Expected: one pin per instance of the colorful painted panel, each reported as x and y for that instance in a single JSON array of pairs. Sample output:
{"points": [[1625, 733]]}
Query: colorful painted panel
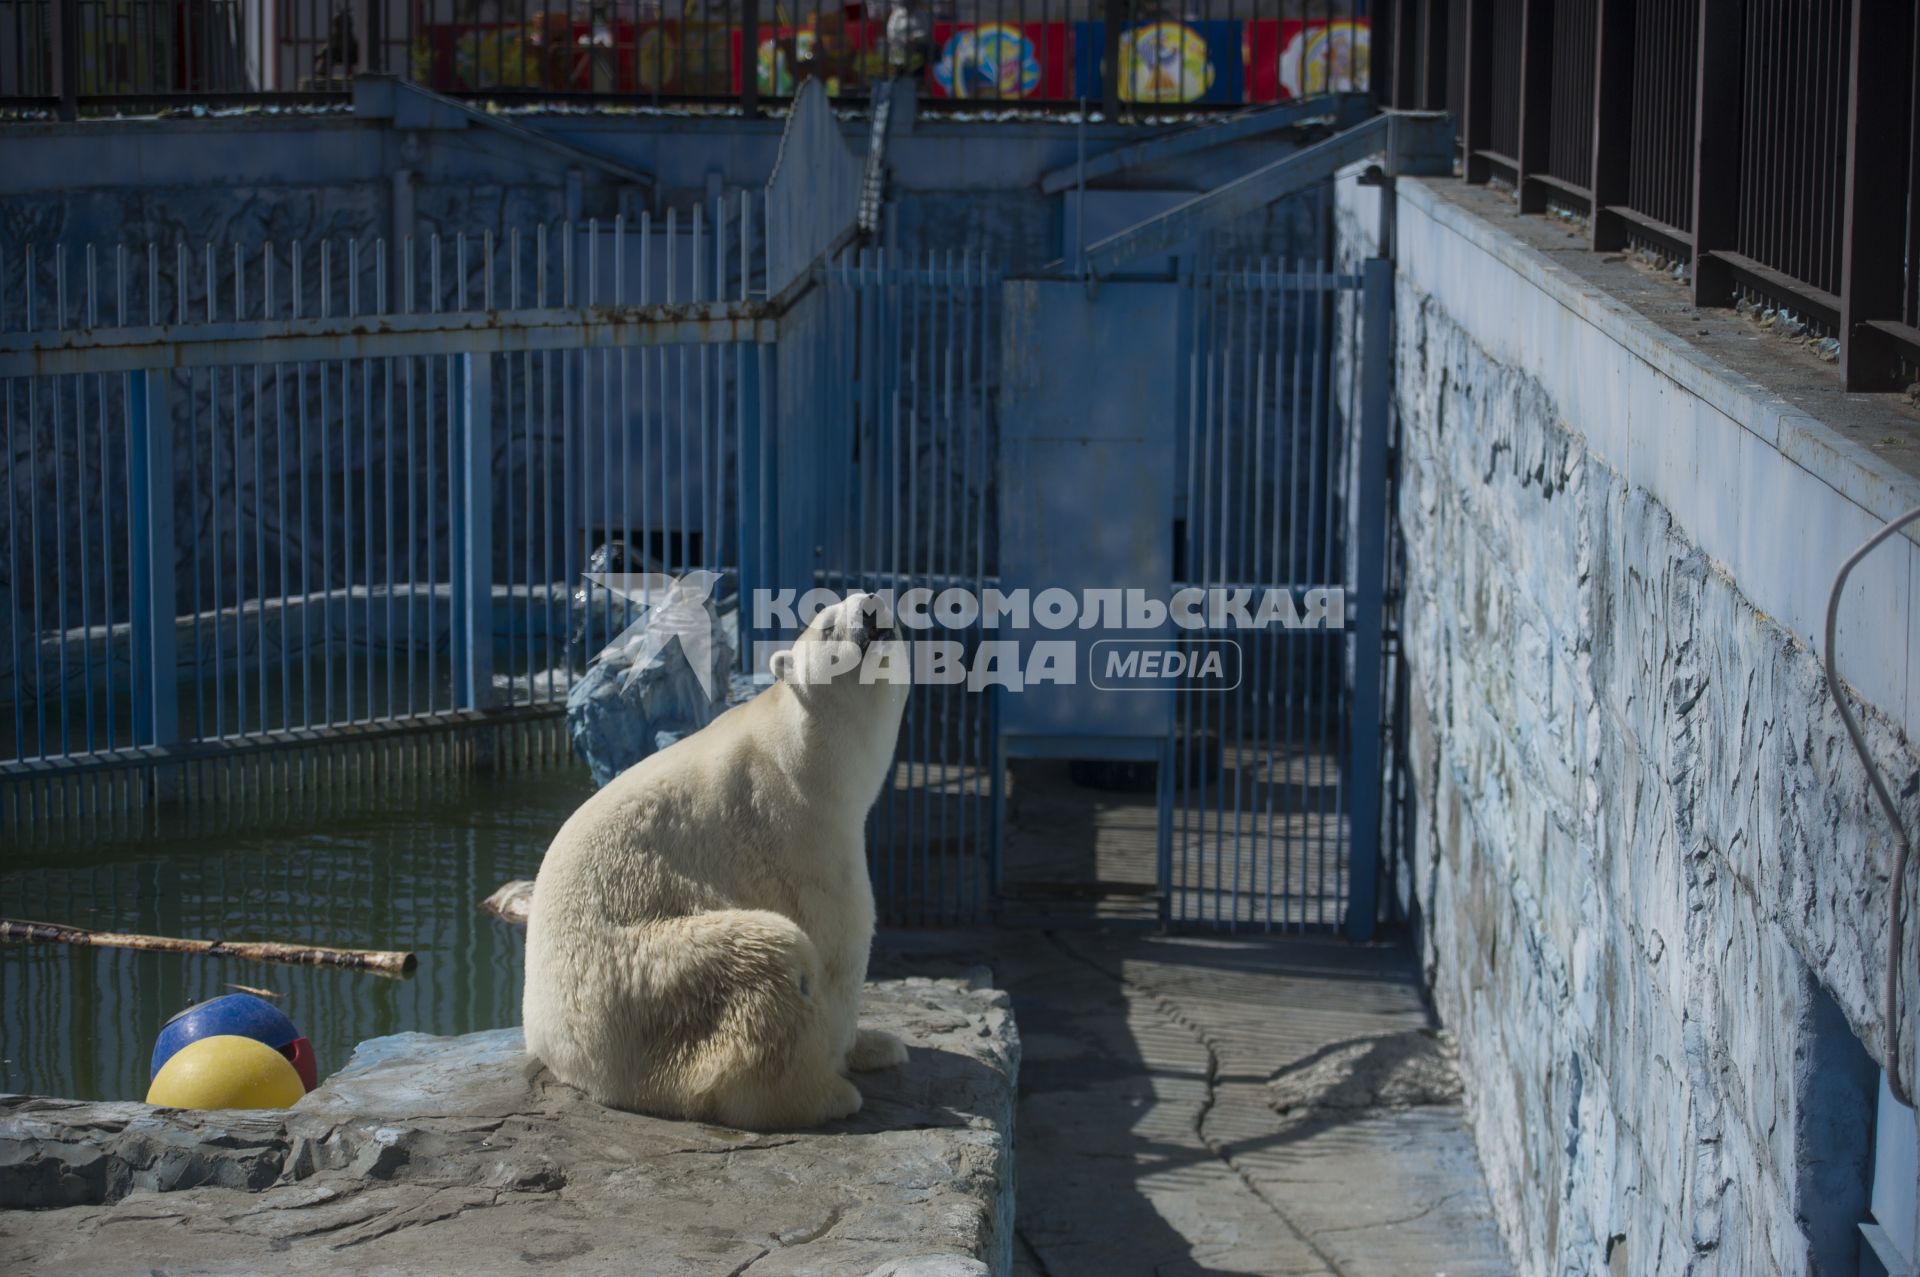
{"points": [[1163, 62], [1299, 59], [1000, 61], [846, 56]]}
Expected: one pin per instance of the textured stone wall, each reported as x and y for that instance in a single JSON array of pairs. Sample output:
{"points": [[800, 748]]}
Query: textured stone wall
{"points": [[1652, 886]]}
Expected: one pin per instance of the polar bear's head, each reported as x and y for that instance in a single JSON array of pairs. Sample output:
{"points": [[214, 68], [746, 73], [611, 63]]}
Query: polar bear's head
{"points": [[850, 644], [848, 675]]}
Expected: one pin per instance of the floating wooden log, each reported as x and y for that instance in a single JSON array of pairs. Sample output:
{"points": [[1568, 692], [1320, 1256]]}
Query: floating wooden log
{"points": [[308, 955], [511, 903]]}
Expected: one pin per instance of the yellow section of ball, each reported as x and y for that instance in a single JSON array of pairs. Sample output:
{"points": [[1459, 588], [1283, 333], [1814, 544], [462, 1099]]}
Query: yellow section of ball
{"points": [[226, 1073]]}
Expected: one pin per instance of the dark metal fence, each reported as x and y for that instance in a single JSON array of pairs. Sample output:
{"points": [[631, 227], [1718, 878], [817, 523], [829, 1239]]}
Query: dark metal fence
{"points": [[1122, 55], [1659, 184], [1767, 146]]}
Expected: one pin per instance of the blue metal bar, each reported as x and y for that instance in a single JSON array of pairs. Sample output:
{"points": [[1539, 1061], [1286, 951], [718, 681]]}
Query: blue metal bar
{"points": [[347, 337], [476, 414], [239, 562], [366, 530], [60, 546], [454, 438], [150, 511], [1337, 111], [86, 558], [1417, 144], [306, 553], [389, 574], [13, 574], [1262, 836], [1195, 298], [1370, 530]]}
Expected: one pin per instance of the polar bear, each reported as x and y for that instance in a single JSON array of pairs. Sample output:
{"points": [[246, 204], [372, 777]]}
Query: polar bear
{"points": [[700, 927]]}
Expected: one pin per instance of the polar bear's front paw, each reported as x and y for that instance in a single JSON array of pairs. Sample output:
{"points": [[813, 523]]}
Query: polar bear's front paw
{"points": [[873, 1049]]}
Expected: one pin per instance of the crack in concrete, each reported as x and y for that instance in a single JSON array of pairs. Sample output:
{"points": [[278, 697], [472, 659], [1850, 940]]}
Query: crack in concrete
{"points": [[417, 1215], [1431, 1207], [729, 1149], [736, 1272], [1171, 1012]]}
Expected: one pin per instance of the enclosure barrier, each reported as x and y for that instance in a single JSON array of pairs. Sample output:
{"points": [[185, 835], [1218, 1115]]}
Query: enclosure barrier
{"points": [[269, 499], [1765, 146], [1121, 56]]}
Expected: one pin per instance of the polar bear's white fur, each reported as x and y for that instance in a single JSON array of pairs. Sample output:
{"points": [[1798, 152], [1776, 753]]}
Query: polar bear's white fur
{"points": [[700, 927]]}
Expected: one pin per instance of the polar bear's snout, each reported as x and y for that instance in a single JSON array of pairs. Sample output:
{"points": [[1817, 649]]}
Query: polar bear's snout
{"points": [[872, 618]]}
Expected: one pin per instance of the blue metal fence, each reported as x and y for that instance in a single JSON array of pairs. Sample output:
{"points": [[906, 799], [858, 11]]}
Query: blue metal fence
{"points": [[1271, 779], [1251, 806], [262, 501], [902, 374], [260, 497]]}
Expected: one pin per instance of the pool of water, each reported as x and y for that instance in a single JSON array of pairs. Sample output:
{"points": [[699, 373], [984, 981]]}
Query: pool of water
{"points": [[405, 869]]}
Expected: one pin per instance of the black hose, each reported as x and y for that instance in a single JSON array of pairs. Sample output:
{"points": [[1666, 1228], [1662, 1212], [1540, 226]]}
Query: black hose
{"points": [[1896, 933]]}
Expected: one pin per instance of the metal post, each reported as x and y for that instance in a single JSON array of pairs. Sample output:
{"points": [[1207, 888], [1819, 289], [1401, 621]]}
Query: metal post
{"points": [[1388, 41], [156, 667], [475, 621], [752, 479], [1716, 149], [65, 38], [1536, 102], [1612, 121], [1476, 123], [1163, 825], [1367, 604], [1115, 11], [1873, 236], [376, 58], [750, 56], [1433, 54]]}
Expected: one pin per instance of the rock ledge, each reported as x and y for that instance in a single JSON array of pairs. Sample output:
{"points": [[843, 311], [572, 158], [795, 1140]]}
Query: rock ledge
{"points": [[433, 1155]]}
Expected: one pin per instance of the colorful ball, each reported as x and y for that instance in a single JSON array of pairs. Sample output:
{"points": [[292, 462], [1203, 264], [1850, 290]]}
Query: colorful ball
{"points": [[226, 1072], [239, 1014]]}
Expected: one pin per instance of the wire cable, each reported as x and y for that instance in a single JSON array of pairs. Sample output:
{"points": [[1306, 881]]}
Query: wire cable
{"points": [[1896, 932]]}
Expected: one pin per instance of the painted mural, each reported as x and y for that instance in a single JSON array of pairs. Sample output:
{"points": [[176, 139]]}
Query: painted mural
{"points": [[1161, 62]]}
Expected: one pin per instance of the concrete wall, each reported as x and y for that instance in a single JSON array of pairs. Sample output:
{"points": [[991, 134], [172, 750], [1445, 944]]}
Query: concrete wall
{"points": [[952, 185], [1650, 883]]}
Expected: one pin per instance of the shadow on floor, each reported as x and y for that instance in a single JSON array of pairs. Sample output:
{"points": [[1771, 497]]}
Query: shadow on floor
{"points": [[1200, 1105]]}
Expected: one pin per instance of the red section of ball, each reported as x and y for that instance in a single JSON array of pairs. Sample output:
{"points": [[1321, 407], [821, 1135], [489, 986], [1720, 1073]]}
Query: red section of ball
{"points": [[300, 1053]]}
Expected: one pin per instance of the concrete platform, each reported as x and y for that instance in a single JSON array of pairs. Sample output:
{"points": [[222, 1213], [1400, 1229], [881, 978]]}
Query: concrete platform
{"points": [[438, 1155], [1197, 1105]]}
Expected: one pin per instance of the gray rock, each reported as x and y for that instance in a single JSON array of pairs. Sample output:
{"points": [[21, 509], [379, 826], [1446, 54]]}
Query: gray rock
{"points": [[464, 1154], [932, 1266]]}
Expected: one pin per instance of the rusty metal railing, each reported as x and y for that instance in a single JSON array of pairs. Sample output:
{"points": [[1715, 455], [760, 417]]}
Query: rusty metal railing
{"points": [[1766, 146]]}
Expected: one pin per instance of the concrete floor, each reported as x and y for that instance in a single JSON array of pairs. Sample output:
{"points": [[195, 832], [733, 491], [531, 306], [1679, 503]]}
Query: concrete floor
{"points": [[1194, 1106]]}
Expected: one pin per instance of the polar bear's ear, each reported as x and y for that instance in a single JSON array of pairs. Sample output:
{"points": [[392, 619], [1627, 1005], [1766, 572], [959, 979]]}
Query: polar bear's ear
{"points": [[782, 664]]}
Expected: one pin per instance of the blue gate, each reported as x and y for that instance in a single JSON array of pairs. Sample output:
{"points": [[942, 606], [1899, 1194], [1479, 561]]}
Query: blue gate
{"points": [[1160, 436]]}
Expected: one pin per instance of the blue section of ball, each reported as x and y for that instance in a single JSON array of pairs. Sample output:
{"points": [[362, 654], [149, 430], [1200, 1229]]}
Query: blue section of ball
{"points": [[236, 1014]]}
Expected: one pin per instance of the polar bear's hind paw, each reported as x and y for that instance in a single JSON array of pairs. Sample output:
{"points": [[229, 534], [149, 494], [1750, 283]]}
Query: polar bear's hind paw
{"points": [[873, 1049]]}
